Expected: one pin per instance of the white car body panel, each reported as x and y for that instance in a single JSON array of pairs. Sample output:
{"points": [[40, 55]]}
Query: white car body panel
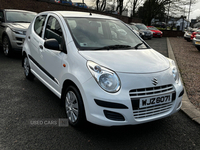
{"points": [[135, 68], [145, 61]]}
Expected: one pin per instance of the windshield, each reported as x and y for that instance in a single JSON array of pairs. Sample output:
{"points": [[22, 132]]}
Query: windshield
{"points": [[152, 28], [101, 34], [141, 26], [19, 16], [134, 27]]}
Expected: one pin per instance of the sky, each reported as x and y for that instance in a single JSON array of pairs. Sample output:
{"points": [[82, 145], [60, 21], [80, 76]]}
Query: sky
{"points": [[195, 9]]}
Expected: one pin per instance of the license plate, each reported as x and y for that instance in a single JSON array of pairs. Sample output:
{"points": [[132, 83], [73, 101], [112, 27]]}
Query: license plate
{"points": [[197, 42], [158, 34], [152, 101]]}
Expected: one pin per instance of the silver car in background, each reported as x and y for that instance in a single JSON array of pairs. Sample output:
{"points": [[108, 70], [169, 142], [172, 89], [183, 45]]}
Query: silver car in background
{"points": [[13, 26], [196, 41]]}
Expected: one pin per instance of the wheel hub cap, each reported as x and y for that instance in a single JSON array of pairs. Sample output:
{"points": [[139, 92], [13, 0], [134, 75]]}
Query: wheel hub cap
{"points": [[71, 105]]}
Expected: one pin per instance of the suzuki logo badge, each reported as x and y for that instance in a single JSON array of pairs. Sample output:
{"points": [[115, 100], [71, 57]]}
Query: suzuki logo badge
{"points": [[154, 81]]}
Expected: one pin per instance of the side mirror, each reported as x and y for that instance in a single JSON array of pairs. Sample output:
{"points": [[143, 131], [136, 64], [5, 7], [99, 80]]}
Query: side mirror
{"points": [[51, 44]]}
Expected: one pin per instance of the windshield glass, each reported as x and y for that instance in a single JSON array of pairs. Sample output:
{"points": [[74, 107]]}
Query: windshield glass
{"points": [[141, 26], [134, 27], [101, 34], [13, 16]]}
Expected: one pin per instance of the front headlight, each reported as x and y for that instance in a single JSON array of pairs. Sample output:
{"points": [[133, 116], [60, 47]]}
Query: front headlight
{"points": [[19, 32], [175, 72], [106, 78], [141, 33]]}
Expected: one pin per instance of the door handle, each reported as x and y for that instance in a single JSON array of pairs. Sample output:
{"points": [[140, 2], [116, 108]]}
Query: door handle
{"points": [[41, 47], [29, 37]]}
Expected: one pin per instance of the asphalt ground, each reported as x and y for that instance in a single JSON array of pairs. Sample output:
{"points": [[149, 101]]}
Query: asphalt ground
{"points": [[23, 102]]}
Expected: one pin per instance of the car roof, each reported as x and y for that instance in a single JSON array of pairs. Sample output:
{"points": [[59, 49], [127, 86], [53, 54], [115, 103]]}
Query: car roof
{"points": [[139, 24], [79, 14], [17, 10]]}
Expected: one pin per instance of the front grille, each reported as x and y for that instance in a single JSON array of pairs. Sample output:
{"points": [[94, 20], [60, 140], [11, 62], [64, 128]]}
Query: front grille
{"points": [[151, 91], [197, 37], [141, 113], [19, 39], [152, 111]]}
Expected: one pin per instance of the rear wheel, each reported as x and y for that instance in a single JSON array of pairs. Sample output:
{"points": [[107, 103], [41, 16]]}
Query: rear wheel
{"points": [[74, 106], [27, 69], [6, 46]]}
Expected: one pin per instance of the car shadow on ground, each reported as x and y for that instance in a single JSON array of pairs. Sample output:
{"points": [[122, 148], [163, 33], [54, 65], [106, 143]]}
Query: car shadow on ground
{"points": [[13, 56]]}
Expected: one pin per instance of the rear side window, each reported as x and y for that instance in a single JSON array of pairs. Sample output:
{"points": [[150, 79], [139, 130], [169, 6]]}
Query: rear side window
{"points": [[1, 15], [39, 25]]}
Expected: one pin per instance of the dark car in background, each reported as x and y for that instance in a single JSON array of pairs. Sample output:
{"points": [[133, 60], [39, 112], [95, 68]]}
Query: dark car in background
{"points": [[144, 31], [62, 1], [82, 5], [160, 24], [13, 26]]}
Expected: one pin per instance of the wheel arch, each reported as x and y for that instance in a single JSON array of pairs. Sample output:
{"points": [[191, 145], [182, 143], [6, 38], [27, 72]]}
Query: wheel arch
{"points": [[23, 55], [68, 83], [4, 34]]}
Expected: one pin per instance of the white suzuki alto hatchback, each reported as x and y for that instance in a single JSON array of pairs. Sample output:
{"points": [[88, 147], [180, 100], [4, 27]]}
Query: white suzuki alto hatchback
{"points": [[101, 69]]}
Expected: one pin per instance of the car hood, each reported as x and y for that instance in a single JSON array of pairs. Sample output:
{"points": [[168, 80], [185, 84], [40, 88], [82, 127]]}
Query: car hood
{"points": [[129, 61], [21, 26], [156, 31]]}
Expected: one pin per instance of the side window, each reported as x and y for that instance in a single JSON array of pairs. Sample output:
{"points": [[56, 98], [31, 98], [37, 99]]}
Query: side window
{"points": [[39, 24], [53, 30], [1, 15]]}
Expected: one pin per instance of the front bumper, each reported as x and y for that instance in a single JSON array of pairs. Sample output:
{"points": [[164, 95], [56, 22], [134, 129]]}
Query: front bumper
{"points": [[116, 109], [16, 41], [157, 35], [187, 36], [196, 42]]}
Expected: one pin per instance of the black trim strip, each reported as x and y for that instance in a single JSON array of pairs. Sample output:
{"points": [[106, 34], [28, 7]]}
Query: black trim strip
{"points": [[46, 72], [110, 104], [181, 94], [113, 115]]}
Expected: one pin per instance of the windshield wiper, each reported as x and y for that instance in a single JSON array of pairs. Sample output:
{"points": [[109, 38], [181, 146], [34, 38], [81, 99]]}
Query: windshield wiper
{"points": [[136, 47], [114, 47]]}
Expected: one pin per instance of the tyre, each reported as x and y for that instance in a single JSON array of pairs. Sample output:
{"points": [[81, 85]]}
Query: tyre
{"points": [[198, 48], [7, 49], [188, 40], [27, 69], [74, 107]]}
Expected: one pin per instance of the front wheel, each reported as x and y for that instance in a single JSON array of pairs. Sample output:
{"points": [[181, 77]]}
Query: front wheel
{"points": [[188, 40], [27, 69], [198, 48], [74, 106], [6, 46]]}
